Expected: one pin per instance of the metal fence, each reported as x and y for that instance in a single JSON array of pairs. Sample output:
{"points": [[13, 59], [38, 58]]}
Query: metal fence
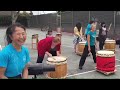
{"points": [[68, 19], [45, 21]]}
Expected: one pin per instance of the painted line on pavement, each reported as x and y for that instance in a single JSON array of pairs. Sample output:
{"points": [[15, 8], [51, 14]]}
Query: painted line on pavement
{"points": [[85, 72]]}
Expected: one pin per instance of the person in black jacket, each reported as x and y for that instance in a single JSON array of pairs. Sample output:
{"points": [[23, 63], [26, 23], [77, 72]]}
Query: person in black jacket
{"points": [[102, 35]]}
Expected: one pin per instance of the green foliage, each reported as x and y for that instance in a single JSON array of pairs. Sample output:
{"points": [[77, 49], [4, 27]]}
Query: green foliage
{"points": [[25, 14], [22, 20], [5, 20]]}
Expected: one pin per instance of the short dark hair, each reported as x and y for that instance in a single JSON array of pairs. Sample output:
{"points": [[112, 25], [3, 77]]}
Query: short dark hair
{"points": [[49, 31], [102, 23]]}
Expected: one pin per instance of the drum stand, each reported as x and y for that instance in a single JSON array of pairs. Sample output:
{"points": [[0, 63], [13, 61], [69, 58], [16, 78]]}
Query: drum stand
{"points": [[35, 77], [106, 73]]}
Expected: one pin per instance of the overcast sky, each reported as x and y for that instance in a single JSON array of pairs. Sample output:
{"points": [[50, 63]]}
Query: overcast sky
{"points": [[42, 12]]}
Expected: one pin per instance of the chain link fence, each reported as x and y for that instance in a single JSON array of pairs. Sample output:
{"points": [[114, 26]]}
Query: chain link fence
{"points": [[67, 20], [44, 22]]}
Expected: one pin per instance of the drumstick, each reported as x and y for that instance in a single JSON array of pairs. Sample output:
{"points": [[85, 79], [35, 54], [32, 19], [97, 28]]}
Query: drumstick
{"points": [[91, 55], [110, 26], [0, 47], [54, 58]]}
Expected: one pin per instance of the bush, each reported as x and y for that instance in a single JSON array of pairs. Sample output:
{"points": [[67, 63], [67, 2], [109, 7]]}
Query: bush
{"points": [[22, 20], [5, 20]]}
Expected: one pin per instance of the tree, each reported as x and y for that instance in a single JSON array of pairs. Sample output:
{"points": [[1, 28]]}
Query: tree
{"points": [[25, 14], [58, 12], [31, 13], [14, 16]]}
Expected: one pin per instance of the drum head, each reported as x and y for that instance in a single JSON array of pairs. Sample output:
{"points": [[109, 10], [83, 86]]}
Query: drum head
{"points": [[105, 53], [82, 42], [56, 59], [110, 41]]}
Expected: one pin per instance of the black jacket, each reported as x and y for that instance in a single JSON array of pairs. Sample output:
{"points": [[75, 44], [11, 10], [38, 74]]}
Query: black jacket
{"points": [[100, 32]]}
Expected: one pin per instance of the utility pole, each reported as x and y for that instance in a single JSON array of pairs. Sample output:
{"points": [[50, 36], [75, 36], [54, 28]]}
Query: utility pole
{"points": [[89, 16], [72, 18], [60, 19], [114, 20]]}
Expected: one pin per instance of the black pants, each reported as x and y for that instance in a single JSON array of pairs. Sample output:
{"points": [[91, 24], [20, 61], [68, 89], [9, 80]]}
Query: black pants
{"points": [[85, 54], [102, 41], [40, 59], [16, 77], [86, 36], [118, 42]]}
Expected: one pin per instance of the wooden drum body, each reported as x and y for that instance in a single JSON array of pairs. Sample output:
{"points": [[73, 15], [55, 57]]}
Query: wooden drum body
{"points": [[60, 63], [80, 47], [110, 45], [105, 61]]}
